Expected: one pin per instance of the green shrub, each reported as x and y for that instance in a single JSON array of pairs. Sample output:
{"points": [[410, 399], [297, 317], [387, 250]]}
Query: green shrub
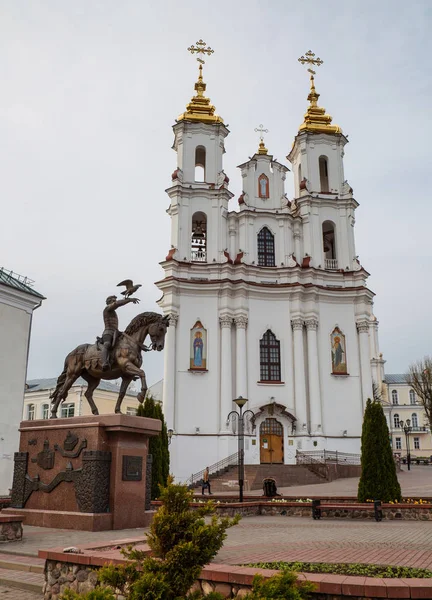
{"points": [[182, 542], [96, 594], [283, 586], [158, 446], [378, 479]]}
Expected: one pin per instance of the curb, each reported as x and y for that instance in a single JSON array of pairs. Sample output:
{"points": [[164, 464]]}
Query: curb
{"points": [[15, 566], [21, 585]]}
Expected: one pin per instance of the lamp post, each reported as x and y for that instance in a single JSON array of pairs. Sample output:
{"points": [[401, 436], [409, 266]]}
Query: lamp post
{"points": [[239, 416], [169, 434], [407, 430]]}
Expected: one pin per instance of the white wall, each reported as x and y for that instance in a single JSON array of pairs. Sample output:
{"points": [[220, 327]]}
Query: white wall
{"points": [[14, 331]]}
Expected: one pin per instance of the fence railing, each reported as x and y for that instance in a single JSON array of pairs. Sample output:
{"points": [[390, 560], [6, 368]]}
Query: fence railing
{"points": [[215, 469], [331, 264], [327, 456]]}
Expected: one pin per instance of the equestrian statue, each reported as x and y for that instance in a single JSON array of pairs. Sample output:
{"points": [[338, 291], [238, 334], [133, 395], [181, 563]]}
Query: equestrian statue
{"points": [[115, 355]]}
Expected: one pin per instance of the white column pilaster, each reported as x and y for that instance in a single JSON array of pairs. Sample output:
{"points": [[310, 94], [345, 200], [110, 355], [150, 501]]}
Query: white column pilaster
{"points": [[241, 356], [170, 373], [226, 398], [297, 248], [299, 375], [314, 385], [365, 366]]}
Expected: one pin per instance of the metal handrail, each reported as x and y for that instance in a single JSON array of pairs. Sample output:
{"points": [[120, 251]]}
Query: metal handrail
{"points": [[214, 469], [327, 456]]}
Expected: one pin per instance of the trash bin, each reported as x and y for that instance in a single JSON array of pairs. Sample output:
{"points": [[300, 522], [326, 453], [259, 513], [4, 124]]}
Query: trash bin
{"points": [[269, 487]]}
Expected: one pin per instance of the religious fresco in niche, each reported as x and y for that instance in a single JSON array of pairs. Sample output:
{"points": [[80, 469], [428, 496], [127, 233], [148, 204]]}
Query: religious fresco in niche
{"points": [[198, 347], [338, 352], [263, 186]]}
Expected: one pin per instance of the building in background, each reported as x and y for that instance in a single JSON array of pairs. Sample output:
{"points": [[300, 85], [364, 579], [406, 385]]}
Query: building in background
{"points": [[37, 402], [18, 300], [268, 302], [400, 403]]}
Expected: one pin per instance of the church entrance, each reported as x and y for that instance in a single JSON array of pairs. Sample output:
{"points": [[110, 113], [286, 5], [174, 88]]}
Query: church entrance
{"points": [[271, 442]]}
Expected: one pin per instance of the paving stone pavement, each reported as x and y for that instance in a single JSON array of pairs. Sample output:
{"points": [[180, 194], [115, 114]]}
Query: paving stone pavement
{"points": [[8, 593], [262, 539]]}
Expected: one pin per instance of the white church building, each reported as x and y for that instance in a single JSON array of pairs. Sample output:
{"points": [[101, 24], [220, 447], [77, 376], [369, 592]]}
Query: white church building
{"points": [[268, 302]]}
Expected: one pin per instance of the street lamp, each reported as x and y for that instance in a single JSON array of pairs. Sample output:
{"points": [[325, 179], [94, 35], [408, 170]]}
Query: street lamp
{"points": [[235, 416], [407, 430], [169, 434]]}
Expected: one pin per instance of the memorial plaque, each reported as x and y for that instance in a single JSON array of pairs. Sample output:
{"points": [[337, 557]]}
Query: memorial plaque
{"points": [[132, 468]]}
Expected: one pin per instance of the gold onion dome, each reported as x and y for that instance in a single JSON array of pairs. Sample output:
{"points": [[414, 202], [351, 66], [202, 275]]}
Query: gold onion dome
{"points": [[316, 120], [199, 108], [262, 149]]}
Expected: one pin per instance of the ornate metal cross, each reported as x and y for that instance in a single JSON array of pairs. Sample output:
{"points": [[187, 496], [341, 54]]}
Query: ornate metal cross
{"points": [[309, 59], [260, 129], [200, 49]]}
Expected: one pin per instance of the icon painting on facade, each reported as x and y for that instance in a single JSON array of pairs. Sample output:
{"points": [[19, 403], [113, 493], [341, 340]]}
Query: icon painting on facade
{"points": [[198, 349], [338, 350], [263, 186]]}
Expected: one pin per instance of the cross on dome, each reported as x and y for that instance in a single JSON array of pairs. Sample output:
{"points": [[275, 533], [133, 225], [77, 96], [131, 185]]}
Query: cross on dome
{"points": [[315, 120], [260, 129], [199, 108]]}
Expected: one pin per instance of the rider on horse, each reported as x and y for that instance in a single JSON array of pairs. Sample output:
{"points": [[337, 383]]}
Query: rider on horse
{"points": [[110, 334]]}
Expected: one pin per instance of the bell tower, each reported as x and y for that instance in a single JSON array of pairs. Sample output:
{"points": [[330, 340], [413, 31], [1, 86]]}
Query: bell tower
{"points": [[199, 194], [323, 196]]}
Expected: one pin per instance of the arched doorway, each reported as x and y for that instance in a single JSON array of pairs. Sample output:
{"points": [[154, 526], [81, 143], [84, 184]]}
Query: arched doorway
{"points": [[271, 442]]}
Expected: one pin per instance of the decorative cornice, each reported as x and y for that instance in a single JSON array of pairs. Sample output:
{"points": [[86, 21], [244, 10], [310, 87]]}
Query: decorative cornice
{"points": [[362, 326], [225, 321], [173, 318], [312, 324], [297, 323], [241, 322]]}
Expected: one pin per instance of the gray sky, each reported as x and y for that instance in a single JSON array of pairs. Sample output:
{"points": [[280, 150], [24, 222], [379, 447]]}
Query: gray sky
{"points": [[90, 90]]}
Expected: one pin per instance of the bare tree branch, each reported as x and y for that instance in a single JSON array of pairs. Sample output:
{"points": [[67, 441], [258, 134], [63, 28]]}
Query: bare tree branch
{"points": [[419, 377]]}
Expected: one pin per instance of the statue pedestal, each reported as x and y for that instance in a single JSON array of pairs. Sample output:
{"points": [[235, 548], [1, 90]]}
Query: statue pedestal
{"points": [[85, 473]]}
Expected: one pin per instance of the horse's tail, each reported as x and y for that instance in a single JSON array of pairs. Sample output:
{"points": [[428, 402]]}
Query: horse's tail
{"points": [[79, 351]]}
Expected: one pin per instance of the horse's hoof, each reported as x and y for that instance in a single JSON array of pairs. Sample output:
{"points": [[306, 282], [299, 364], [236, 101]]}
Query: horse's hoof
{"points": [[95, 412], [141, 397], [53, 417], [118, 412]]}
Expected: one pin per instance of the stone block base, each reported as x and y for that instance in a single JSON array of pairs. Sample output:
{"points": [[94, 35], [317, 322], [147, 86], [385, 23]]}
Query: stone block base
{"points": [[10, 528]]}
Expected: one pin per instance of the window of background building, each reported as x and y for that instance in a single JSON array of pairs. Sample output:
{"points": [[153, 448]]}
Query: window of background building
{"points": [[45, 411], [416, 443], [30, 412], [398, 443], [130, 410], [412, 397], [395, 398], [68, 410], [414, 420], [396, 421]]}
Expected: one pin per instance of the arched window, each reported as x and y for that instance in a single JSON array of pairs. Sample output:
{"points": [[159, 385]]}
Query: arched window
{"points": [[412, 397], [329, 245], [200, 164], [45, 411], [323, 171], [263, 186], [395, 397], [396, 420], [199, 237], [31, 410], [414, 420], [270, 369], [266, 248]]}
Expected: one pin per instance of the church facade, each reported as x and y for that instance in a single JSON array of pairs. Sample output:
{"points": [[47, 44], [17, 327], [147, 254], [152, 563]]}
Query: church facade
{"points": [[268, 302]]}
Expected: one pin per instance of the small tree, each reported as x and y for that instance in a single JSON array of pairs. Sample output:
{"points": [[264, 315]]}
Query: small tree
{"points": [[182, 542], [419, 377], [158, 446], [378, 479]]}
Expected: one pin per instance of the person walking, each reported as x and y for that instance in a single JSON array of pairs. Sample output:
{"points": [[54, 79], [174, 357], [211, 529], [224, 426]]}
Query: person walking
{"points": [[206, 482]]}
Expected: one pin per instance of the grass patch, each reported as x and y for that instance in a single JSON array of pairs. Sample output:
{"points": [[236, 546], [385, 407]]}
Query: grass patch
{"points": [[361, 569]]}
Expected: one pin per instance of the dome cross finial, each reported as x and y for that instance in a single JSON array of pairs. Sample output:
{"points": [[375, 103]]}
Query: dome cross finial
{"points": [[260, 129], [315, 120]]}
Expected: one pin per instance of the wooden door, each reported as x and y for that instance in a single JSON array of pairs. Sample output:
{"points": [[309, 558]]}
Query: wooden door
{"points": [[271, 442]]}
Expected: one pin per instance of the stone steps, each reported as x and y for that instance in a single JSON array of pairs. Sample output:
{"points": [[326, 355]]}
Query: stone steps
{"points": [[21, 572], [285, 476]]}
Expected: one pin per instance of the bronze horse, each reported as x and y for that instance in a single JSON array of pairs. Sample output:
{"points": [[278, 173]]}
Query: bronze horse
{"points": [[126, 361]]}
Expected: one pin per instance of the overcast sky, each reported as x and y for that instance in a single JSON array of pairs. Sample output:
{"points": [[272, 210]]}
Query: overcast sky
{"points": [[90, 90]]}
